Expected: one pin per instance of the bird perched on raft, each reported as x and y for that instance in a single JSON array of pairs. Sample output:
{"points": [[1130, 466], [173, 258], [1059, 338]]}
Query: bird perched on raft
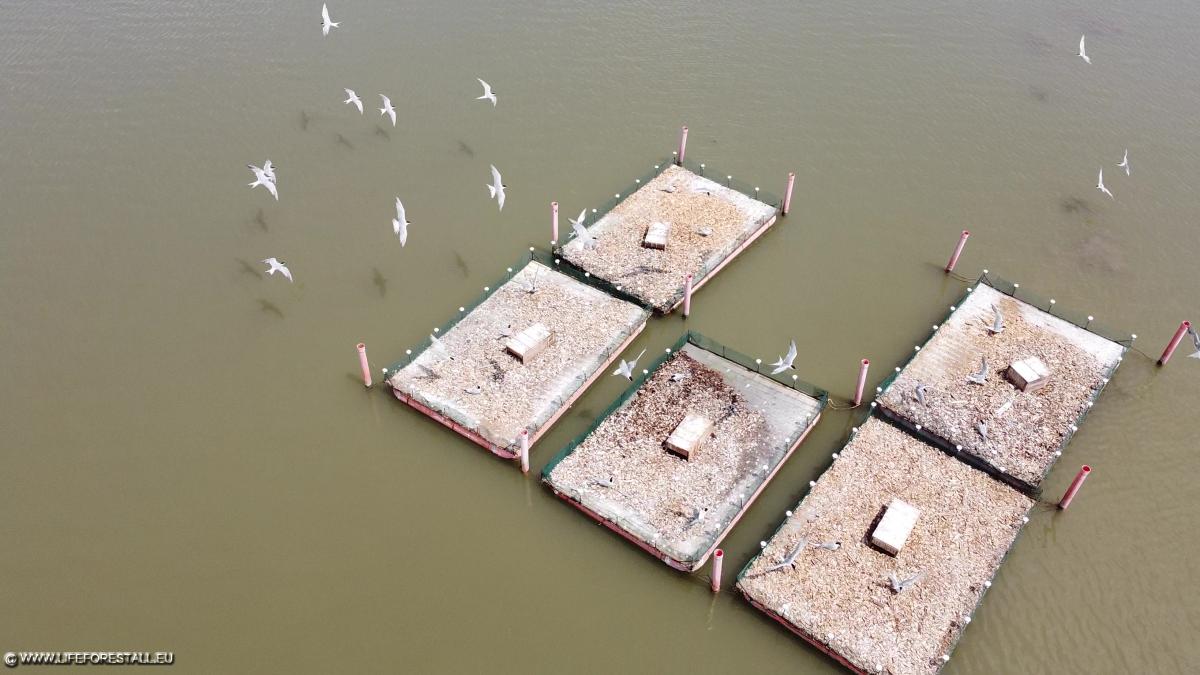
{"points": [[785, 362], [919, 392], [626, 367], [997, 326], [899, 585], [982, 429], [790, 560], [981, 376], [829, 545]]}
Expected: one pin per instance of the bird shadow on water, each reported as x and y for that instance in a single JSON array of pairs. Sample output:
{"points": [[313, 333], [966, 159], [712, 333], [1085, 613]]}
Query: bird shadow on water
{"points": [[379, 280], [247, 268], [304, 121], [461, 265], [380, 131], [343, 141], [465, 149], [267, 307], [1038, 94], [1075, 205], [1101, 253], [260, 219]]}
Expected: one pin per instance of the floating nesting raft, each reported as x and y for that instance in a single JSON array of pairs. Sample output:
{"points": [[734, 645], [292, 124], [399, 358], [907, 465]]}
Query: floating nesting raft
{"points": [[652, 239], [518, 359], [842, 600], [1026, 431], [678, 509]]}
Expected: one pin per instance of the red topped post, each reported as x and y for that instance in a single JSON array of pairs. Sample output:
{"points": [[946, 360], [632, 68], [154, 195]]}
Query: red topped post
{"points": [[962, 241]]}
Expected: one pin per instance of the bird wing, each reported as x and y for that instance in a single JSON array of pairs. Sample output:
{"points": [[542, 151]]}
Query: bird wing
{"points": [[496, 180], [270, 185], [579, 230], [325, 13], [791, 353], [400, 215], [487, 88], [582, 216], [1081, 50], [286, 272]]}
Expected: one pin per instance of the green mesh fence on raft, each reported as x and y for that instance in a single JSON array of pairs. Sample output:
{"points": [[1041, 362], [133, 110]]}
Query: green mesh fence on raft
{"points": [[709, 345], [595, 214], [1013, 290]]}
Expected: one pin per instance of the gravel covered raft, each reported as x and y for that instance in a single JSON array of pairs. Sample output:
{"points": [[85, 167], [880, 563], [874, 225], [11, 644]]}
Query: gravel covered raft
{"points": [[1025, 430], [469, 377], [622, 473], [708, 222], [843, 599]]}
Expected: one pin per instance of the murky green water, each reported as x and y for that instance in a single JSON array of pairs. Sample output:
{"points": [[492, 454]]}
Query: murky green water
{"points": [[191, 463]]}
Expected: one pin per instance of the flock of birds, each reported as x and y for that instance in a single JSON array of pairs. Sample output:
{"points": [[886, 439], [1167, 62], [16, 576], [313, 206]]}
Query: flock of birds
{"points": [[264, 176], [1124, 160]]}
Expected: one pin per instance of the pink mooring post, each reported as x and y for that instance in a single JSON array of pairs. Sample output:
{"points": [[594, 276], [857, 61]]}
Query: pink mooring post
{"points": [[718, 559], [1075, 485], [362, 361], [554, 222], [682, 143], [1166, 355], [862, 381], [524, 451], [687, 296], [787, 195], [962, 241]]}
